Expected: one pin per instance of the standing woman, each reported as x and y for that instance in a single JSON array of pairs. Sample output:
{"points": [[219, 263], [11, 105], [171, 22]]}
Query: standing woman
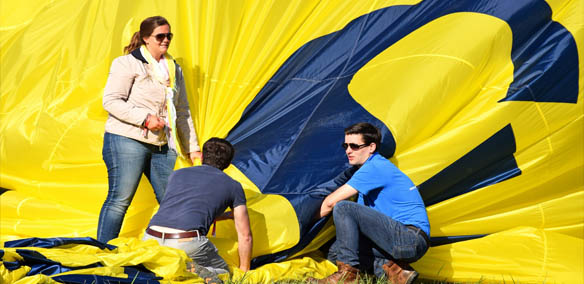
{"points": [[149, 122]]}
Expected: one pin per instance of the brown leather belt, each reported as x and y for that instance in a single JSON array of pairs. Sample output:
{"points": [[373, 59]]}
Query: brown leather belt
{"points": [[180, 235], [418, 230]]}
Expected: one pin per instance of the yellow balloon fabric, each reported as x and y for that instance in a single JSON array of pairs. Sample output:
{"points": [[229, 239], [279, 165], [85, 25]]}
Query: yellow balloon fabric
{"points": [[166, 262], [440, 90]]}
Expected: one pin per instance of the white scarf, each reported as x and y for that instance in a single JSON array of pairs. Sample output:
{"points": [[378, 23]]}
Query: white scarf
{"points": [[165, 73]]}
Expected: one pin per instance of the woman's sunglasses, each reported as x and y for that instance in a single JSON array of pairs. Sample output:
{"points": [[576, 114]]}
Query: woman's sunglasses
{"points": [[160, 37], [353, 146]]}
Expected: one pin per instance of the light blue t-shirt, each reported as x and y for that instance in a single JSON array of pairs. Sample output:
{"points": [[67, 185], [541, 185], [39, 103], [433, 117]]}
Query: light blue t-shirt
{"points": [[383, 187]]}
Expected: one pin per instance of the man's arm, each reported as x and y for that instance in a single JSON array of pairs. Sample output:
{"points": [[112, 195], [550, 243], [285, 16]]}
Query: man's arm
{"points": [[244, 237], [330, 186], [342, 193]]}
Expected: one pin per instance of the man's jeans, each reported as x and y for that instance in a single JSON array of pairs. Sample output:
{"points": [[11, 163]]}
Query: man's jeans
{"points": [[126, 159], [199, 249], [365, 234]]}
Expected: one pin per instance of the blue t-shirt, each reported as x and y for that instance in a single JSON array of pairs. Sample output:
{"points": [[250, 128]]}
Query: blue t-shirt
{"points": [[195, 196], [383, 187]]}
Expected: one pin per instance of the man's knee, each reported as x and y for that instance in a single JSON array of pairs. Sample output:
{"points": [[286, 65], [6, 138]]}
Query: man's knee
{"points": [[343, 207]]}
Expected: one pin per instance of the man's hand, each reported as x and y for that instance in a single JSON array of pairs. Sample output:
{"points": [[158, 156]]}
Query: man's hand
{"points": [[342, 193], [244, 238]]}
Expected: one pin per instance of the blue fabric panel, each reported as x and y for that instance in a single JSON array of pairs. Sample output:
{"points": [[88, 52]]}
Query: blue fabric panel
{"points": [[287, 140], [134, 276], [39, 264], [12, 265], [489, 163], [55, 242]]}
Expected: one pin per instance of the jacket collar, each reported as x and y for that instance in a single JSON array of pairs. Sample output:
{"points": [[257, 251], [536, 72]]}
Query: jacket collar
{"points": [[138, 55]]}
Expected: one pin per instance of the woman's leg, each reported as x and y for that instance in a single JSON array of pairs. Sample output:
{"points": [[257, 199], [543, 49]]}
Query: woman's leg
{"points": [[125, 159], [159, 169]]}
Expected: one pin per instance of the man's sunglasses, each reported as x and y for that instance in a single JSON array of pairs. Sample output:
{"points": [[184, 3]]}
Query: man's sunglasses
{"points": [[160, 37], [353, 146]]}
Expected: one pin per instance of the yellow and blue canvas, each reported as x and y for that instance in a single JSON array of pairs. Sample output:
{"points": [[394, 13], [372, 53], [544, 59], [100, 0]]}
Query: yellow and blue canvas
{"points": [[479, 102]]}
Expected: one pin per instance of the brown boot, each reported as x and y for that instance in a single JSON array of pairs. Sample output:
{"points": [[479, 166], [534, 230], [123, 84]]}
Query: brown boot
{"points": [[346, 274], [401, 273]]}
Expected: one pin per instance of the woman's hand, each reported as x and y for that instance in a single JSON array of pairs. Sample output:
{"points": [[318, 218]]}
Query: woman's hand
{"points": [[154, 123], [195, 155]]}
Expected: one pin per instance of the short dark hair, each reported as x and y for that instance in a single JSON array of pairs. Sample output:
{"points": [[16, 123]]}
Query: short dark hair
{"points": [[369, 132], [218, 153]]}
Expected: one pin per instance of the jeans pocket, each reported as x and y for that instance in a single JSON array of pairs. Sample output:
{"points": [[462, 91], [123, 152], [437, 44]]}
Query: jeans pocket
{"points": [[404, 252]]}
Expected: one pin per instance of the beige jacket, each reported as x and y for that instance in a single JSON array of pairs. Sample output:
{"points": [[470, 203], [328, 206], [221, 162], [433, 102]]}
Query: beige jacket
{"points": [[132, 92]]}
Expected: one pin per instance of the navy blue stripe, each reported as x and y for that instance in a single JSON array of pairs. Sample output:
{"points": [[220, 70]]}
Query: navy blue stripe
{"points": [[438, 241], [56, 242], [40, 264], [10, 265], [489, 163]]}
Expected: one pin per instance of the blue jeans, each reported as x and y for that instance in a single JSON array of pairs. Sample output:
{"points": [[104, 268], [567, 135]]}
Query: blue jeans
{"points": [[371, 257], [126, 160], [365, 235]]}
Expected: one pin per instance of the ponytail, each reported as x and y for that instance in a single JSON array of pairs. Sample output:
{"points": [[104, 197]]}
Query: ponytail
{"points": [[135, 43]]}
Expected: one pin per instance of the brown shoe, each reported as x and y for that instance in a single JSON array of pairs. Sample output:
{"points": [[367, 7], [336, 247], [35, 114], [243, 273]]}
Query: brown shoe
{"points": [[346, 274], [401, 273]]}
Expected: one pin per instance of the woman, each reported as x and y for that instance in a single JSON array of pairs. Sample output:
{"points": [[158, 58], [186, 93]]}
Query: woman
{"points": [[149, 122]]}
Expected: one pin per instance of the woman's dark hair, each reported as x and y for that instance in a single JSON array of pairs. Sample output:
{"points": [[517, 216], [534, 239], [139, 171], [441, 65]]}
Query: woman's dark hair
{"points": [[146, 28], [370, 133], [217, 153]]}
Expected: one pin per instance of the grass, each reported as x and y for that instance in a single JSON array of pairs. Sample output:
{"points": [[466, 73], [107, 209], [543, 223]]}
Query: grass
{"points": [[370, 279], [367, 280]]}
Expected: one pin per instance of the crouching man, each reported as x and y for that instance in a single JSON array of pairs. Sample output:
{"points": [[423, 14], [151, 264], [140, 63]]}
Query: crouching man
{"points": [[388, 221], [194, 198]]}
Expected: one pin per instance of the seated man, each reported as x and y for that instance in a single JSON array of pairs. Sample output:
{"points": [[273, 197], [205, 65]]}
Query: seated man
{"points": [[194, 197], [389, 219]]}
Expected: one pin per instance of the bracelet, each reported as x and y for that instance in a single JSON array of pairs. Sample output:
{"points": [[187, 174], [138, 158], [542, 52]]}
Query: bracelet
{"points": [[146, 121]]}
